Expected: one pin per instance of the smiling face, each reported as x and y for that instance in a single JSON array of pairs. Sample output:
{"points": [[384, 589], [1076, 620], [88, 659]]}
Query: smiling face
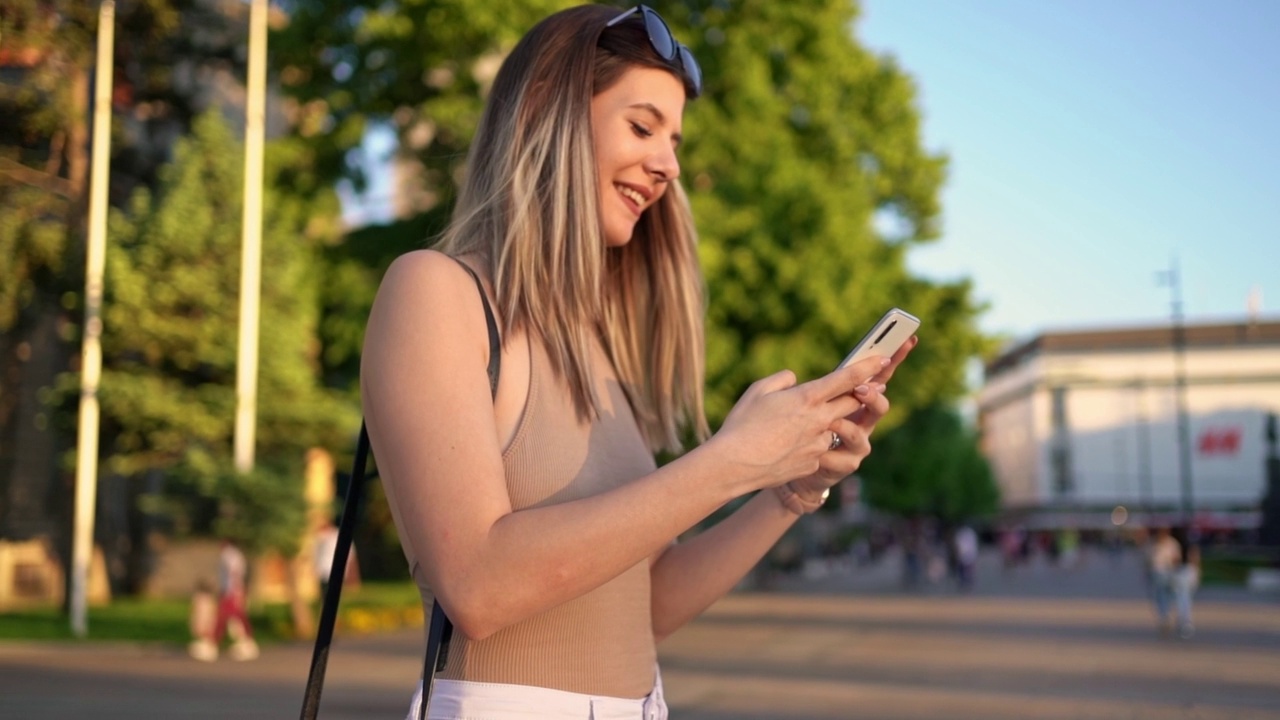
{"points": [[636, 130]]}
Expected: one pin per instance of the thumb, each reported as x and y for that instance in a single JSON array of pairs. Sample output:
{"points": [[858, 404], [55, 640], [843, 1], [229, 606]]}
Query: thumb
{"points": [[780, 380]]}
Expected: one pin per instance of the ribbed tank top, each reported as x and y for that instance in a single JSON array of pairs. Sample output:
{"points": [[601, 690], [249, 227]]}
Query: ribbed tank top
{"points": [[602, 642]]}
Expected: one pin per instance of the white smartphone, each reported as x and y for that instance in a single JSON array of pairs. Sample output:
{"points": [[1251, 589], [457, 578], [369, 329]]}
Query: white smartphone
{"points": [[885, 337]]}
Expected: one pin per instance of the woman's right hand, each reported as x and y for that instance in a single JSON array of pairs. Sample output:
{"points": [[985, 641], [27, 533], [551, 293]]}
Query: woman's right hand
{"points": [[778, 430]]}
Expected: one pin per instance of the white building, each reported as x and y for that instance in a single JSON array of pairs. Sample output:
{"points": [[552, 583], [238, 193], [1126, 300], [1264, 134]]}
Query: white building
{"points": [[1078, 423]]}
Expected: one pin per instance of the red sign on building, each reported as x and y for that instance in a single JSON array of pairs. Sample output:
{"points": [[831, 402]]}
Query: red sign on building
{"points": [[1219, 441]]}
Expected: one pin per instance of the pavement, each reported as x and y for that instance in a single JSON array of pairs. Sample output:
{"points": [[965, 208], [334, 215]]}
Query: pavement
{"points": [[835, 641]]}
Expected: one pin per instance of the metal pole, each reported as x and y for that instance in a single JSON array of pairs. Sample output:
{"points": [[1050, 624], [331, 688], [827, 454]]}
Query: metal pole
{"points": [[90, 344], [1144, 453], [251, 248], [1180, 394]]}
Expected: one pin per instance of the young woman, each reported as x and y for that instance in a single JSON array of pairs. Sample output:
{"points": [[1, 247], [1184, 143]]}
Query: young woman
{"points": [[522, 480]]}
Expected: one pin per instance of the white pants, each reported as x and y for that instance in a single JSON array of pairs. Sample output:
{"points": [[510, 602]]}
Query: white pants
{"points": [[465, 700]]}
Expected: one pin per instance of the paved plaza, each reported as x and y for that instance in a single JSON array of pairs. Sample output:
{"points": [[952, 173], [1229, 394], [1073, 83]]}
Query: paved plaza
{"points": [[837, 642]]}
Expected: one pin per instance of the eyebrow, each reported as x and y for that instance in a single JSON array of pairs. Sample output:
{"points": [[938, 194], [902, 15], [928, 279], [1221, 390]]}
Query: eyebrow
{"points": [[662, 119]]}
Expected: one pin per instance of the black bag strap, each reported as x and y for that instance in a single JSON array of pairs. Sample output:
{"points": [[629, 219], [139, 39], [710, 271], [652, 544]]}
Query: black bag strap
{"points": [[440, 630]]}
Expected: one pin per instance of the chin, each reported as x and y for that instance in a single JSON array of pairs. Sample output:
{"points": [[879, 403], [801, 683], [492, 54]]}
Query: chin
{"points": [[618, 238]]}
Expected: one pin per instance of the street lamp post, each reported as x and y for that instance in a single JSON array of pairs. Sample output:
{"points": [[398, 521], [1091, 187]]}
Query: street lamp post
{"points": [[86, 496], [1172, 278], [251, 245]]}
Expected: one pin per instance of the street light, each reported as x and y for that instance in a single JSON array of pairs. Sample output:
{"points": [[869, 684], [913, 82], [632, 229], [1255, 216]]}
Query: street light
{"points": [[1172, 278], [86, 497], [251, 244]]}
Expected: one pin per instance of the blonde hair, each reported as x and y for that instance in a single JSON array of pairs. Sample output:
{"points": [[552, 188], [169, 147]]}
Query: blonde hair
{"points": [[522, 211]]}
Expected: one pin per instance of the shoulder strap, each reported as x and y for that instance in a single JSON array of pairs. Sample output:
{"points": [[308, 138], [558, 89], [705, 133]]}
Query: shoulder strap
{"points": [[440, 629], [495, 340], [329, 613]]}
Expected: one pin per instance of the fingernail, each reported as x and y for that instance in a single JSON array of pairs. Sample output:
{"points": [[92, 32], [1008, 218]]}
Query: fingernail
{"points": [[861, 390], [884, 361], [881, 388]]}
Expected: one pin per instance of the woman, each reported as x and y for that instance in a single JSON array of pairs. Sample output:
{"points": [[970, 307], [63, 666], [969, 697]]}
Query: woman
{"points": [[523, 483]]}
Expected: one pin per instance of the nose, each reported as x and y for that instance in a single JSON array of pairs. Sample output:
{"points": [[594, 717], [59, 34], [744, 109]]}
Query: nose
{"points": [[663, 164]]}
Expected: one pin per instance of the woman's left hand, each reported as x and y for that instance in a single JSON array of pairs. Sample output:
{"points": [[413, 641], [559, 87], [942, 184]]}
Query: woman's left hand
{"points": [[854, 432]]}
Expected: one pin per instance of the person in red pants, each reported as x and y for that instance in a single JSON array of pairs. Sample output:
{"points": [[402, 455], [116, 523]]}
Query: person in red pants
{"points": [[232, 618]]}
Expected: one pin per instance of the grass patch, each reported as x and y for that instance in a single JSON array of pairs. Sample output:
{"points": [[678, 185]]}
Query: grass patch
{"points": [[133, 620], [370, 607], [1231, 567]]}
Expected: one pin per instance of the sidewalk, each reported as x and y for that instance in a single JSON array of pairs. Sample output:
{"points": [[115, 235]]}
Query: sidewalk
{"points": [[1039, 643], [1096, 575]]}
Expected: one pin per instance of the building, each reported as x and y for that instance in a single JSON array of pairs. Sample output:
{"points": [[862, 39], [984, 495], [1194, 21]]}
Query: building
{"points": [[1078, 424]]}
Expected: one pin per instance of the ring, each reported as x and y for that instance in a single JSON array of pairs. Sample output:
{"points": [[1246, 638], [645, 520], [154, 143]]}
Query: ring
{"points": [[835, 441]]}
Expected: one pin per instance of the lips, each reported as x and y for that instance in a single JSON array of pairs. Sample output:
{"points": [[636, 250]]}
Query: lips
{"points": [[635, 198]]}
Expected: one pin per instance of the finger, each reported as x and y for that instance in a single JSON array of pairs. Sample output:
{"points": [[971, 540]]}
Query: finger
{"points": [[858, 446], [855, 440], [842, 406], [833, 467], [780, 380], [875, 408], [842, 380], [884, 375]]}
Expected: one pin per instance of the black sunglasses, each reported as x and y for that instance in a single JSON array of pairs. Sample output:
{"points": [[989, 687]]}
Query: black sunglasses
{"points": [[665, 44]]}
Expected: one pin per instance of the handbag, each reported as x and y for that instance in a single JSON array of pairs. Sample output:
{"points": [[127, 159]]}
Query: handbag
{"points": [[440, 629]]}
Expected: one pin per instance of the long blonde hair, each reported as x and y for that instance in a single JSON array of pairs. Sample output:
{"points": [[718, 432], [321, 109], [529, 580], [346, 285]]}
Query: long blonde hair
{"points": [[521, 209]]}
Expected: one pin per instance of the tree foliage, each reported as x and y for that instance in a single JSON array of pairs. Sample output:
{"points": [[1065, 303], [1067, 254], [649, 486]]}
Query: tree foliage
{"points": [[931, 465], [803, 160], [171, 332], [811, 185], [164, 51], [423, 69], [47, 51]]}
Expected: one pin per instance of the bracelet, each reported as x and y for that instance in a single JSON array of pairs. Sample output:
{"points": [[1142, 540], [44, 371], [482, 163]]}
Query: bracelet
{"points": [[792, 501]]}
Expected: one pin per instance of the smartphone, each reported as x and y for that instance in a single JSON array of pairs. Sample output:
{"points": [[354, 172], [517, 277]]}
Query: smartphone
{"points": [[885, 337]]}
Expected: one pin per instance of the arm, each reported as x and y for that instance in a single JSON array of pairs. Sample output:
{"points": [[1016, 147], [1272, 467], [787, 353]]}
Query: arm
{"points": [[690, 576], [431, 421]]}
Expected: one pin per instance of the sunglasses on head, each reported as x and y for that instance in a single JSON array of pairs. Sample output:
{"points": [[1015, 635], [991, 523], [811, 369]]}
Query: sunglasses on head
{"points": [[665, 44]]}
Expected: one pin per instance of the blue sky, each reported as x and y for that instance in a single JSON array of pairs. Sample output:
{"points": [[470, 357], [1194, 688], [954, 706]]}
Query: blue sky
{"points": [[1091, 142]]}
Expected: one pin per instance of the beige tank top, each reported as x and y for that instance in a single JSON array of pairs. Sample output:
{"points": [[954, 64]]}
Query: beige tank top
{"points": [[600, 643]]}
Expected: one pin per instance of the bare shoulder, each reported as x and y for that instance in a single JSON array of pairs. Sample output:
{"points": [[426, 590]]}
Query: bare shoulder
{"points": [[425, 274], [426, 305]]}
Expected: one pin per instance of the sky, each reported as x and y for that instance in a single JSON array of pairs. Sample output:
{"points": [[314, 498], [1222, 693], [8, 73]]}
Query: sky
{"points": [[1093, 144]]}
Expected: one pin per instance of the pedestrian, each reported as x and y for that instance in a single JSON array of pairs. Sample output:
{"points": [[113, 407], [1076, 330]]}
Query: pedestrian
{"points": [[232, 617], [1012, 548], [517, 452], [1164, 558], [202, 620], [322, 561], [966, 549], [1185, 581]]}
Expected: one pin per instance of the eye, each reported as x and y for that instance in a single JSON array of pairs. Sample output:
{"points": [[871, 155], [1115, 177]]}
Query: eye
{"points": [[640, 130]]}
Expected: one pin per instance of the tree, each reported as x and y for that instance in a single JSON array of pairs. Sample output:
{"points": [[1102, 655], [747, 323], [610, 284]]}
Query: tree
{"points": [[422, 68], [47, 47], [811, 185], [170, 312], [930, 465], [47, 51]]}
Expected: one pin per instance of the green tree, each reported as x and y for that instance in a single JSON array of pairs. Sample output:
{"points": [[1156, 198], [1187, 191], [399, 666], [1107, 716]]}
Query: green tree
{"points": [[45, 49], [421, 68], [170, 339], [932, 465], [811, 185], [47, 52]]}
